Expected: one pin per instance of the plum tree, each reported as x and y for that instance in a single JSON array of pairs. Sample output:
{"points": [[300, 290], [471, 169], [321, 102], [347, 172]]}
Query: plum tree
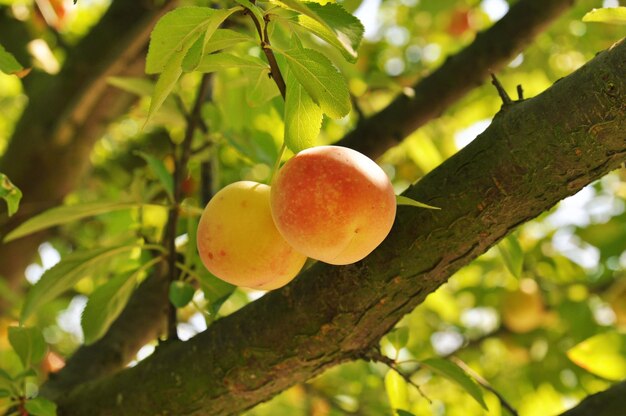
{"points": [[333, 204], [238, 242]]}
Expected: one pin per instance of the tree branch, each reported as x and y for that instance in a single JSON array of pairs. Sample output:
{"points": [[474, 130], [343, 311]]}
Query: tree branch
{"points": [[533, 155], [461, 73], [606, 403], [530, 28], [58, 142]]}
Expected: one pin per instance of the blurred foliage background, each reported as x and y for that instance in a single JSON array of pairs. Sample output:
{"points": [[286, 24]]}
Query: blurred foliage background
{"points": [[541, 317]]}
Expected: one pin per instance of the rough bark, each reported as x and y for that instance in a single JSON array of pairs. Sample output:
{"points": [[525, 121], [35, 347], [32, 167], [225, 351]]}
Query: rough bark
{"points": [[534, 154], [461, 73], [66, 115], [494, 48]]}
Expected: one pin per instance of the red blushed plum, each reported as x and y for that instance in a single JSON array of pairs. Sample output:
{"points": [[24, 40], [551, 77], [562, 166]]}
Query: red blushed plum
{"points": [[239, 243], [333, 204]]}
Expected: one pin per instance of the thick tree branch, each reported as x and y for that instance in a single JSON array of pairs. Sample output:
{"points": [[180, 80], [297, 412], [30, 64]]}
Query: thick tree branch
{"points": [[139, 326], [460, 74], [534, 154], [67, 114], [606, 403]]}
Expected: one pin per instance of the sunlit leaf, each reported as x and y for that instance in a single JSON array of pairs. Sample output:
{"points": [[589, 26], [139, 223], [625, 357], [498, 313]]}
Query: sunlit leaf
{"points": [[10, 193], [321, 80], [455, 373], [603, 355], [397, 390], [222, 60], [613, 15], [261, 88], [405, 200], [512, 255], [28, 343], [107, 302], [65, 214], [303, 118], [8, 63], [67, 273], [398, 337], [138, 86]]}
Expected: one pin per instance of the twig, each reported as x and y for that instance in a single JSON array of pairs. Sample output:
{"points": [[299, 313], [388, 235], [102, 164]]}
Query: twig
{"points": [[180, 165], [375, 355], [485, 384], [506, 100], [520, 92]]}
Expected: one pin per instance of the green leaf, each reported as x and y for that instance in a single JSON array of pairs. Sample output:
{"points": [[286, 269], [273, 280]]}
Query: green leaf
{"points": [[28, 343], [141, 87], [603, 355], [165, 84], [405, 200], [347, 30], [8, 383], [64, 214], [8, 63], [10, 193], [258, 13], [455, 373], [220, 61], [512, 255], [174, 34], [105, 304], [261, 87], [181, 293], [304, 9], [225, 38], [160, 171], [326, 86], [398, 337], [613, 15], [66, 274], [216, 291], [303, 118], [397, 390], [400, 412], [41, 407]]}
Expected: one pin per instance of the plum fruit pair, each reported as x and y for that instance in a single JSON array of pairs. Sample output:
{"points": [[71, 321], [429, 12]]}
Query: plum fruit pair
{"points": [[329, 203]]}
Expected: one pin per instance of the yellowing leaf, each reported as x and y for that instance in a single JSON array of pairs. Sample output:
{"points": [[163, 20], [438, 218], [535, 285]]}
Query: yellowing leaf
{"points": [[603, 355]]}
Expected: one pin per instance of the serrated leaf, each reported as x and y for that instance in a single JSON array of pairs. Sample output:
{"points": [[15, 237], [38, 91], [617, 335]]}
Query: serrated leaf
{"points": [[41, 407], [613, 15], [512, 255], [10, 193], [303, 118], [160, 171], [603, 355], [181, 293], [64, 214], [200, 47], [174, 34], [346, 33], [28, 343], [222, 60], [405, 200], [105, 304], [261, 87], [302, 8], [8, 63], [66, 273], [165, 84], [326, 86], [398, 337], [455, 373], [225, 38], [397, 389], [139, 86]]}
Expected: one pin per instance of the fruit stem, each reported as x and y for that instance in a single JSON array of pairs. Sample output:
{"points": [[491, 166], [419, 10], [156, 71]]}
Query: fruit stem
{"points": [[281, 152]]}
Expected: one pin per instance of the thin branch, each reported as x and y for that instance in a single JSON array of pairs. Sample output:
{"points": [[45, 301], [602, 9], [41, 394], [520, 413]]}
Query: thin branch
{"points": [[520, 92], [485, 384], [180, 168], [504, 96]]}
